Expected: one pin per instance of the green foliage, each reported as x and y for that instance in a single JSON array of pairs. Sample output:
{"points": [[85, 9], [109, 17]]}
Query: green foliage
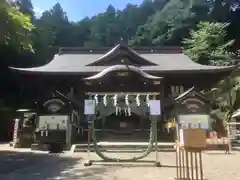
{"points": [[152, 23], [170, 25], [227, 95], [17, 27], [25, 6], [207, 44]]}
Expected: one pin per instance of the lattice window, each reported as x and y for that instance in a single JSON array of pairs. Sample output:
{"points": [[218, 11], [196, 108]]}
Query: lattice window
{"points": [[177, 90]]}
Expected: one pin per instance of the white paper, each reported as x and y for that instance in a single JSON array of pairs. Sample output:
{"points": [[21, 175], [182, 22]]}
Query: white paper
{"points": [[89, 107], [181, 137], [53, 122], [194, 120], [155, 107]]}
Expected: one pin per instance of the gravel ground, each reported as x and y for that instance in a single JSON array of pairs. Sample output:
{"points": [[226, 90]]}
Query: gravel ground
{"points": [[28, 165]]}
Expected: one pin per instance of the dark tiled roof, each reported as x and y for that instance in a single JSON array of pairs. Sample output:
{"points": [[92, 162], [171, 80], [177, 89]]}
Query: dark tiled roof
{"points": [[166, 61]]}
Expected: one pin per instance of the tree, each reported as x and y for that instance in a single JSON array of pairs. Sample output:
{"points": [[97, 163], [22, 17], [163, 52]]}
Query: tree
{"points": [[169, 25], [26, 7], [52, 30], [207, 44], [17, 27], [227, 95]]}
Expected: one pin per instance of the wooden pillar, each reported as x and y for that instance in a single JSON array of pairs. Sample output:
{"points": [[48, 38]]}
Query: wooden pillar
{"points": [[162, 117]]}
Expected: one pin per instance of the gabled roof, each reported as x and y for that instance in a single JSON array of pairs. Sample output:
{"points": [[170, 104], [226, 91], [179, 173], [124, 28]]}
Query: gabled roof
{"points": [[188, 93], [122, 50], [83, 60]]}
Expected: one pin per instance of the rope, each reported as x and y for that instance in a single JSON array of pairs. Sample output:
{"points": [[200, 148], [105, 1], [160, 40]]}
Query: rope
{"points": [[145, 153]]}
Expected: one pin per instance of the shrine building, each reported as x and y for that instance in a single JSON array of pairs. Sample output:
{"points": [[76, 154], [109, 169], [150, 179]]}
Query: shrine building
{"points": [[121, 80]]}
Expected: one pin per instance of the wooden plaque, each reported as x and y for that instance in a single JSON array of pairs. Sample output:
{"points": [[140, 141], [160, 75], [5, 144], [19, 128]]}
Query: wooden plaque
{"points": [[194, 138]]}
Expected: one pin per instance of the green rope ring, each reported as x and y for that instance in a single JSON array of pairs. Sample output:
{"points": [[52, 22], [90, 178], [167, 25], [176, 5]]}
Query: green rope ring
{"points": [[145, 153]]}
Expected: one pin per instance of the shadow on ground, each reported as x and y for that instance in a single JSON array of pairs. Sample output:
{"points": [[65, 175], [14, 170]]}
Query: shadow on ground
{"points": [[39, 166], [139, 163]]}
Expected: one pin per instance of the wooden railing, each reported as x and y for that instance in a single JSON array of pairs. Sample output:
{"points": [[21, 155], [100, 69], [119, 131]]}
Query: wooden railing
{"points": [[189, 163]]}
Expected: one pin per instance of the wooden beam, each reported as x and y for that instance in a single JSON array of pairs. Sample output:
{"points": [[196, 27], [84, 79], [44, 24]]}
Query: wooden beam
{"points": [[122, 93]]}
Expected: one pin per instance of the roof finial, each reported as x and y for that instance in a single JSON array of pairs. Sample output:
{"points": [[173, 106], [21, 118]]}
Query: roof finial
{"points": [[121, 40]]}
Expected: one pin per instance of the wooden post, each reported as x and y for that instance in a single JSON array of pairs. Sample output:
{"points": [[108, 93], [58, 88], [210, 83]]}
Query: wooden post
{"points": [[191, 161], [90, 125], [90, 119], [189, 164], [15, 132], [189, 155], [157, 163], [177, 160], [89, 138]]}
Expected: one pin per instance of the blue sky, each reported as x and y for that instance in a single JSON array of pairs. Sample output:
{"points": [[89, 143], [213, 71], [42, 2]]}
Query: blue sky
{"points": [[78, 9]]}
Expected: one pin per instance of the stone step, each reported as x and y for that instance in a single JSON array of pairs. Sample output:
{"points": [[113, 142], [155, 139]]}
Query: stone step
{"points": [[40, 147], [122, 147]]}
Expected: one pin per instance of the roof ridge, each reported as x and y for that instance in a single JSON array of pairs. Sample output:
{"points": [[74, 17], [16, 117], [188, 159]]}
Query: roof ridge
{"points": [[112, 53], [103, 50]]}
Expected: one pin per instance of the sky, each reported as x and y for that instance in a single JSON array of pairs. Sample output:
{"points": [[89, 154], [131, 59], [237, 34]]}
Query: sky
{"points": [[78, 9]]}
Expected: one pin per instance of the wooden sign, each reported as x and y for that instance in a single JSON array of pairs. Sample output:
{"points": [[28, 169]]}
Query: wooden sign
{"points": [[122, 73], [192, 102], [193, 138]]}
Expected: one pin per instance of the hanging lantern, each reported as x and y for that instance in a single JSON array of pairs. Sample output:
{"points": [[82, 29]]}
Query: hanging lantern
{"points": [[147, 99], [96, 99], [137, 100], [126, 100], [115, 98], [105, 100]]}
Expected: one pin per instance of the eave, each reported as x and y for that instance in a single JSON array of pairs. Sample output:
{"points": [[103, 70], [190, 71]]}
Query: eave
{"points": [[155, 70]]}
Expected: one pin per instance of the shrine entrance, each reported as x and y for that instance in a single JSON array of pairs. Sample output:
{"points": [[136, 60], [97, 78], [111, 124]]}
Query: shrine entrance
{"points": [[125, 128], [123, 117], [122, 103]]}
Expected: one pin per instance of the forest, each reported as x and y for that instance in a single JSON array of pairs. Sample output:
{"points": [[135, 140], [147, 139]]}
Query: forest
{"points": [[207, 29]]}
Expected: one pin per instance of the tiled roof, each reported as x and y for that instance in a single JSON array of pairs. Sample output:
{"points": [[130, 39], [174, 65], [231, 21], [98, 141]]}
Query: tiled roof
{"points": [[165, 62]]}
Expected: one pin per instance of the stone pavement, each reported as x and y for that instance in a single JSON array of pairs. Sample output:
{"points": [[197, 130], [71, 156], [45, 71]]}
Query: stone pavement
{"points": [[27, 165]]}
